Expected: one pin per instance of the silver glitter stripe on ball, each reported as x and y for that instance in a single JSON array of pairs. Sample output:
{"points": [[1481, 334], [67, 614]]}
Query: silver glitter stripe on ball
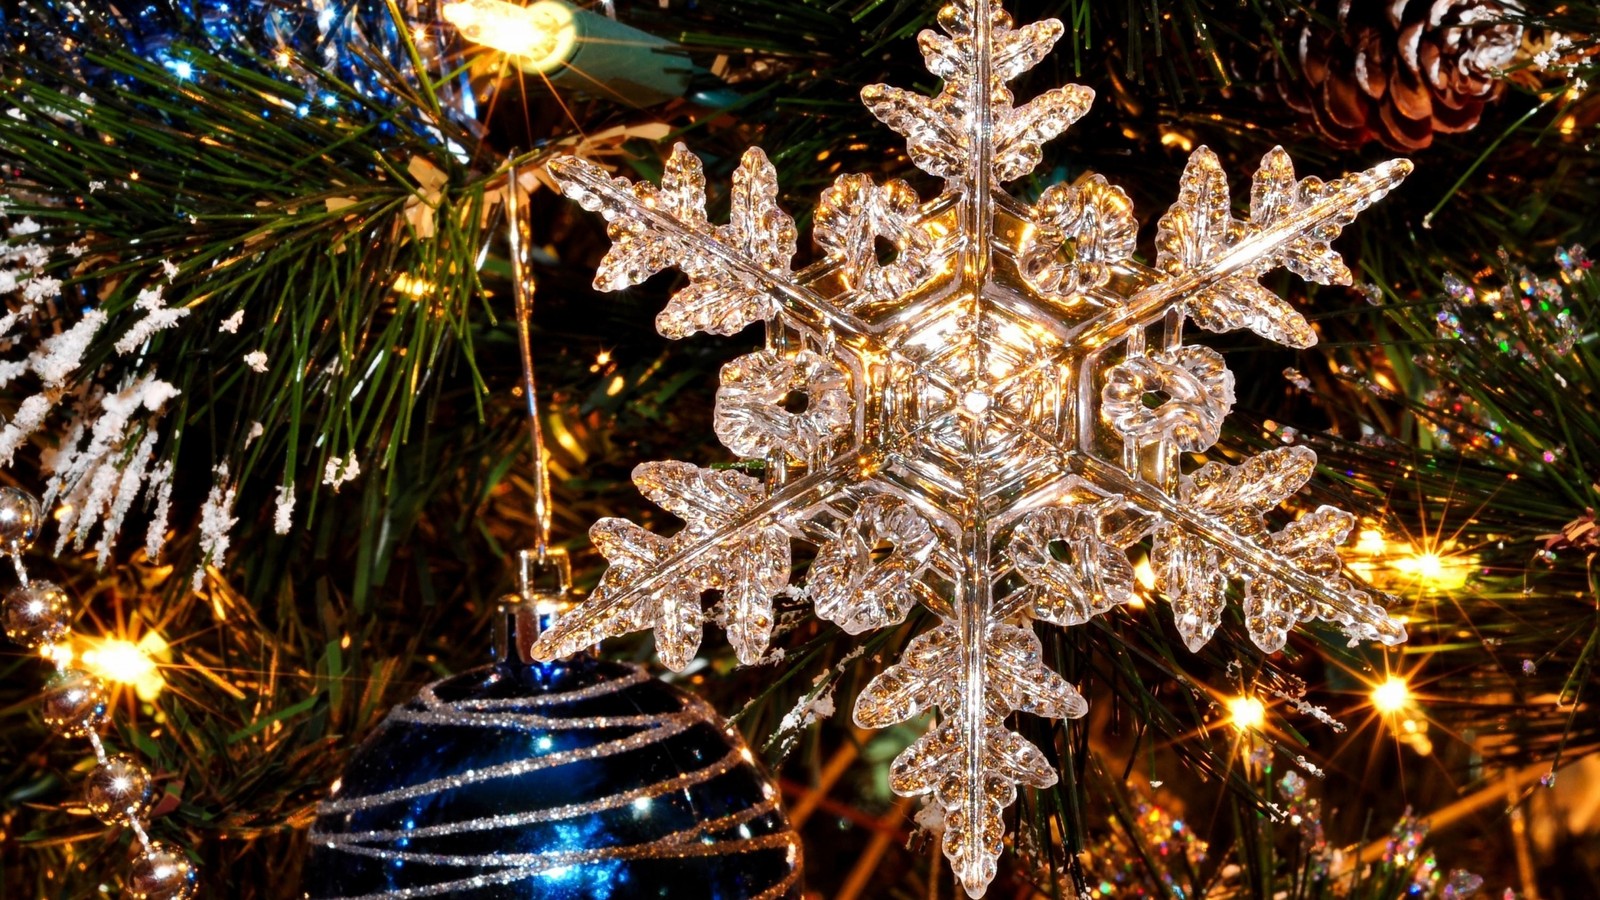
{"points": [[692, 841], [513, 875], [669, 725], [492, 714], [430, 698], [570, 811], [518, 722]]}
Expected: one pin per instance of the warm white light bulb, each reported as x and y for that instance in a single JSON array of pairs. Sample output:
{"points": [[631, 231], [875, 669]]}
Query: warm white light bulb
{"points": [[119, 660], [1247, 713], [1392, 696], [1435, 571], [126, 662], [541, 36]]}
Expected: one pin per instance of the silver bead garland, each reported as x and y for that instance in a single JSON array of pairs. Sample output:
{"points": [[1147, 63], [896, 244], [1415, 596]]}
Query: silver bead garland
{"points": [[120, 791]]}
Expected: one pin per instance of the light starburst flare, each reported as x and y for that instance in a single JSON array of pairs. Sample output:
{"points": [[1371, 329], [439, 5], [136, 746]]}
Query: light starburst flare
{"points": [[994, 411]]}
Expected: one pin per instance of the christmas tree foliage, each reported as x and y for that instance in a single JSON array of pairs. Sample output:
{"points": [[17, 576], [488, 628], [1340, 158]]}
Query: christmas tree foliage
{"points": [[260, 365]]}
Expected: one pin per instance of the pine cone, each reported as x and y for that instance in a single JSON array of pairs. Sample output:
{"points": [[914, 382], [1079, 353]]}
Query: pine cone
{"points": [[1400, 71]]}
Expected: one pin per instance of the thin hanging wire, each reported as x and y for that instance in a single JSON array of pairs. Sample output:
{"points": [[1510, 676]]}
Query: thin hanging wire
{"points": [[522, 289]]}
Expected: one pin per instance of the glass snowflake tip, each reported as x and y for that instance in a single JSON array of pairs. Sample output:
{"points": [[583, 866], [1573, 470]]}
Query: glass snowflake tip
{"points": [[974, 406]]}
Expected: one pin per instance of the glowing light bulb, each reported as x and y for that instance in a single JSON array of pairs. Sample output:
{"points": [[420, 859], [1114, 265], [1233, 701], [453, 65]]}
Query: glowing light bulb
{"points": [[1247, 712], [126, 662], [1392, 696], [1372, 543], [414, 285], [1435, 568], [119, 660], [1176, 139], [1434, 571], [541, 36], [1144, 574], [1146, 578]]}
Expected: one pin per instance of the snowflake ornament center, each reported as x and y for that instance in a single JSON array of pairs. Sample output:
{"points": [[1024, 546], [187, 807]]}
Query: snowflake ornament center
{"points": [[974, 405]]}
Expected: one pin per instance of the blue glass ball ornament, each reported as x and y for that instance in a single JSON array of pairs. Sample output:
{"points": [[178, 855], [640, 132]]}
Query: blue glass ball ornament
{"points": [[350, 40], [575, 779]]}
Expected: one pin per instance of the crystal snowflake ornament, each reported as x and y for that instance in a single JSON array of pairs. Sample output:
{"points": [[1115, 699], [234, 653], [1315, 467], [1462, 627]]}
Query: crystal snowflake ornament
{"points": [[974, 405]]}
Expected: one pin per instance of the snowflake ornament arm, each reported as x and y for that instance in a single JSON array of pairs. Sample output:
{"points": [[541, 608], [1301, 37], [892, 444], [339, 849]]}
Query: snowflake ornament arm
{"points": [[995, 411]]}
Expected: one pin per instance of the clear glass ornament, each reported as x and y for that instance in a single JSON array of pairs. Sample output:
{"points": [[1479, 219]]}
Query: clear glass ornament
{"points": [[74, 703], [1073, 573], [20, 516], [1019, 399], [1180, 397], [1082, 231], [774, 402], [162, 872], [749, 568], [119, 790], [869, 231], [37, 614], [863, 578]]}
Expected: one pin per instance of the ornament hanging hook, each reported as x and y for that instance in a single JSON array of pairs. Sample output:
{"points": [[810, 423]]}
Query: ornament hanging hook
{"points": [[522, 290], [544, 575]]}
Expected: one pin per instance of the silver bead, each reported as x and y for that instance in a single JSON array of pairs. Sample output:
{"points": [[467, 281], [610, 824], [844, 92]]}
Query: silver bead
{"points": [[20, 515], [74, 703], [118, 790], [162, 873], [37, 614]]}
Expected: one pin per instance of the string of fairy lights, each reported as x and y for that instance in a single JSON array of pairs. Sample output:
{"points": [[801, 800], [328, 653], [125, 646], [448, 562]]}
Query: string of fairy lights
{"points": [[76, 704], [1398, 565]]}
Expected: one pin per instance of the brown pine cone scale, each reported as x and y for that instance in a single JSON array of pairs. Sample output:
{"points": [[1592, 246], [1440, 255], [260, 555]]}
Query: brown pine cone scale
{"points": [[1402, 71]]}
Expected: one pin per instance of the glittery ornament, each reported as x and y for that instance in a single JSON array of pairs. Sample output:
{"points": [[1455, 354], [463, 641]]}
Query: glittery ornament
{"points": [[1006, 358], [162, 872], [74, 703], [19, 519], [366, 44], [118, 790], [574, 779], [1152, 855], [37, 614]]}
